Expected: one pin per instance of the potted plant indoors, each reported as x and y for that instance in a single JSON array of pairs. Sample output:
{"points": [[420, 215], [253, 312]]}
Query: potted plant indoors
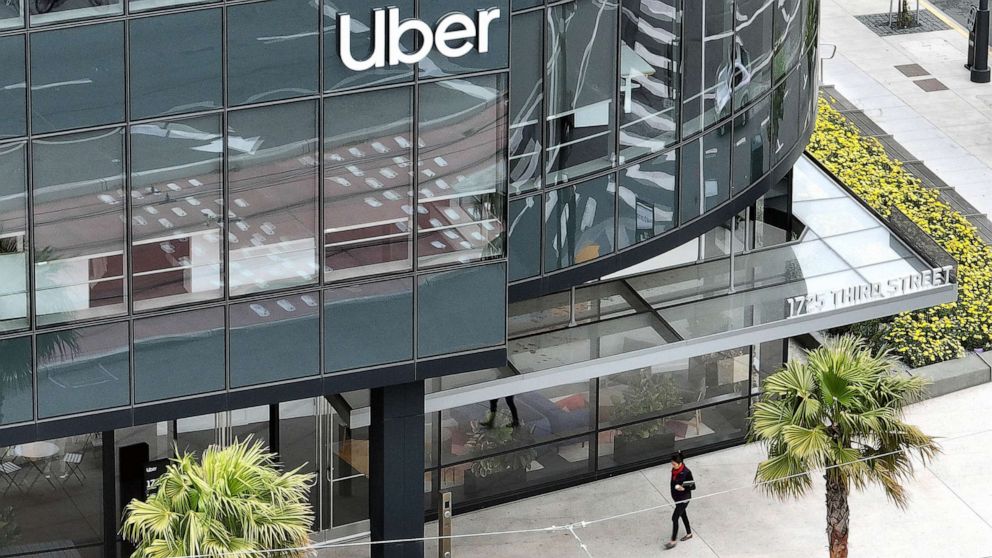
{"points": [[9, 532], [647, 395], [502, 472]]}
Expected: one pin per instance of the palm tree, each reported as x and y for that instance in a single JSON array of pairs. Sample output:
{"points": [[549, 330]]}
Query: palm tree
{"points": [[235, 501], [840, 411]]}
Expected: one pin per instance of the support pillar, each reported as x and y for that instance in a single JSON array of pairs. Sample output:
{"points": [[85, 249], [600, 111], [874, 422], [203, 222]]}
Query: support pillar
{"points": [[396, 462]]}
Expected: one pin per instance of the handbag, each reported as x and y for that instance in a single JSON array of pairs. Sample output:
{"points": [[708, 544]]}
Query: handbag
{"points": [[689, 485]]}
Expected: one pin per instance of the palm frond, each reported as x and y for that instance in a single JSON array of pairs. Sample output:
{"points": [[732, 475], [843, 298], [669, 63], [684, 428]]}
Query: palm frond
{"points": [[232, 501], [841, 409]]}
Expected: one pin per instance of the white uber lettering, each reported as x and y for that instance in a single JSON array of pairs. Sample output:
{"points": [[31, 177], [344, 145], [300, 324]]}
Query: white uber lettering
{"points": [[388, 31], [377, 59], [486, 18], [396, 31], [455, 27]]}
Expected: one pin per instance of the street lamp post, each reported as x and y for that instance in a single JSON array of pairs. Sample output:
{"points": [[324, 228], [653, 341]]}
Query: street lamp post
{"points": [[980, 44]]}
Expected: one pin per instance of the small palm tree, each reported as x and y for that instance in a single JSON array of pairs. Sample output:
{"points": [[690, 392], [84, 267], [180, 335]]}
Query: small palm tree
{"points": [[235, 501], [840, 411]]}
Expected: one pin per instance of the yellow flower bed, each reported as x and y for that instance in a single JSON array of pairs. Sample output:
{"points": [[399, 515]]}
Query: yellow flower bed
{"points": [[942, 332]]}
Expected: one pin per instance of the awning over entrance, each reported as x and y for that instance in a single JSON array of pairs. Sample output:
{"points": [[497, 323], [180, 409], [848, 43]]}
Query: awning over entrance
{"points": [[846, 266]]}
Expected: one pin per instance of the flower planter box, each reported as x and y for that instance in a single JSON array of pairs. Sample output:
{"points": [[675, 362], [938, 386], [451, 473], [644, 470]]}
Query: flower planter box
{"points": [[954, 375]]}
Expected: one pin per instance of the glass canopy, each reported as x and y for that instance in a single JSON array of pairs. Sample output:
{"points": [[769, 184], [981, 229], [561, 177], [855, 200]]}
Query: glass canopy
{"points": [[844, 267]]}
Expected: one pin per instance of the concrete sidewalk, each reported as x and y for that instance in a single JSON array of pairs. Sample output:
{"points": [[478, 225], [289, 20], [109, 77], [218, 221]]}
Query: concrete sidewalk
{"points": [[950, 514], [948, 129]]}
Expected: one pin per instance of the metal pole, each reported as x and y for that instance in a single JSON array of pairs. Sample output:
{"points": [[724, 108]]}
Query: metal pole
{"points": [[444, 527], [980, 35]]}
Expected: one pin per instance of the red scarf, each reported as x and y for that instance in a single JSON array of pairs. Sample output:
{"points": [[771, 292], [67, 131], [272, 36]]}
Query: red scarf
{"points": [[677, 470]]}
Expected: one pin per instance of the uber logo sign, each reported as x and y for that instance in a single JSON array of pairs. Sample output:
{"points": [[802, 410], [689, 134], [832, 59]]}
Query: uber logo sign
{"points": [[455, 35]]}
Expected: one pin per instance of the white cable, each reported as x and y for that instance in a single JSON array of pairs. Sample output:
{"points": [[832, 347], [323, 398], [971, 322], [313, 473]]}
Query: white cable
{"points": [[570, 528], [757, 484], [582, 545]]}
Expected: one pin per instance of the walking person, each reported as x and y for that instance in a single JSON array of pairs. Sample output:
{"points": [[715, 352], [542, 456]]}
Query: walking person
{"points": [[682, 487], [492, 412]]}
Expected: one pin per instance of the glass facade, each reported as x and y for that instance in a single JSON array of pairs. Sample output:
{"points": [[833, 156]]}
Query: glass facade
{"points": [[573, 431], [243, 185], [683, 105]]}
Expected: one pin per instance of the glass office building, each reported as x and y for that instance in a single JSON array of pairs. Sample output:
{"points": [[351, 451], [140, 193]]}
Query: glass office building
{"points": [[215, 222]]}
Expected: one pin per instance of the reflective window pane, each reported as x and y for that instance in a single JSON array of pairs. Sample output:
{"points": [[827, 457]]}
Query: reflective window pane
{"points": [[83, 369], [369, 324], [669, 387], [578, 223], [62, 513], [650, 74], [581, 80], [273, 195], [705, 176], [785, 113], [170, 76], [544, 415], [648, 200], [772, 217], [176, 211], [526, 102], [812, 9], [13, 91], [490, 33], [368, 198], [716, 168], [79, 205], [16, 381], [461, 170], [178, 354], [275, 339], [808, 89], [525, 237], [51, 11], [477, 320], [523, 4], [708, 28], [271, 51], [690, 174], [77, 77], [752, 73], [13, 238], [489, 476], [363, 33], [11, 14], [752, 144], [146, 5], [788, 28]]}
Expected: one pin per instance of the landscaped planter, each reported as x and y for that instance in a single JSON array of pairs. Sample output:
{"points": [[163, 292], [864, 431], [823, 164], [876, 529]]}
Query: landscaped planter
{"points": [[954, 375], [931, 335]]}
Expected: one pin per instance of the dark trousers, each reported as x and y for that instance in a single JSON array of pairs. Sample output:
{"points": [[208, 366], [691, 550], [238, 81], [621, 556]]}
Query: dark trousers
{"points": [[509, 403], [680, 512]]}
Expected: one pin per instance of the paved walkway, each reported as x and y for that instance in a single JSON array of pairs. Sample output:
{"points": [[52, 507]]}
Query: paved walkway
{"points": [[949, 516], [950, 129]]}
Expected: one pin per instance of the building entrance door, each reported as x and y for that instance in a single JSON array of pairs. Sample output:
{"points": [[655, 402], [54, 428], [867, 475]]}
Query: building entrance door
{"points": [[314, 436]]}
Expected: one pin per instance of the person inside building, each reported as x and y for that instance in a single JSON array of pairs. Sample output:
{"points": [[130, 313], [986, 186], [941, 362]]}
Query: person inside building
{"points": [[492, 412]]}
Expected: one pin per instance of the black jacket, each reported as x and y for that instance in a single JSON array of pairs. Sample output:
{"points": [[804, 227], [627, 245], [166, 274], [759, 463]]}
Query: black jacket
{"points": [[684, 475]]}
